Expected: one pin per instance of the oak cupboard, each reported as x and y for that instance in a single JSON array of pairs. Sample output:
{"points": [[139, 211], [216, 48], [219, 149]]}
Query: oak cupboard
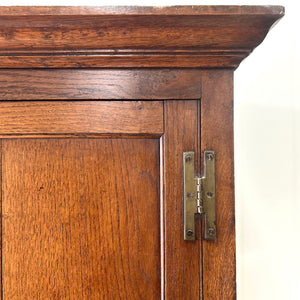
{"points": [[98, 106]]}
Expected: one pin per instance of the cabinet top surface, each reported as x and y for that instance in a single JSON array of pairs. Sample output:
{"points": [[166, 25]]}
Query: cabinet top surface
{"points": [[142, 10]]}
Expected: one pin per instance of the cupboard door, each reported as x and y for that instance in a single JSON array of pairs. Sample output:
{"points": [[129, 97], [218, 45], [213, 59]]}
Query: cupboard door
{"points": [[92, 200]]}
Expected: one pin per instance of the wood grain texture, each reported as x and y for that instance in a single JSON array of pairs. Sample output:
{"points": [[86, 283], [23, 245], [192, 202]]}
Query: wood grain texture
{"points": [[99, 84], [139, 10], [131, 37], [81, 219], [182, 259], [219, 278], [130, 59], [81, 117]]}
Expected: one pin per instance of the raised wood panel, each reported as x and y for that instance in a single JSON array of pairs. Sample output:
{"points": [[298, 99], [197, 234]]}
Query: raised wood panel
{"points": [[81, 117], [81, 219], [219, 274], [182, 259], [99, 84]]}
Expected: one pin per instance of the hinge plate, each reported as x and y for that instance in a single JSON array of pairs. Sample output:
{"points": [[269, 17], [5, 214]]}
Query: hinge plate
{"points": [[199, 195]]}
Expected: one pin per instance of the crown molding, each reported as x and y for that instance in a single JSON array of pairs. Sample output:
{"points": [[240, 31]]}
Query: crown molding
{"points": [[132, 37]]}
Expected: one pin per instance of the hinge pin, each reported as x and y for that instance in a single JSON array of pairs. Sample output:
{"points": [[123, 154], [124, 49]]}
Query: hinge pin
{"points": [[199, 201]]}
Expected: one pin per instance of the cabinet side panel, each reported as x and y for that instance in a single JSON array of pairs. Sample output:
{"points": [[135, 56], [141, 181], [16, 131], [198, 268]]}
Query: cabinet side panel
{"points": [[217, 134], [182, 258]]}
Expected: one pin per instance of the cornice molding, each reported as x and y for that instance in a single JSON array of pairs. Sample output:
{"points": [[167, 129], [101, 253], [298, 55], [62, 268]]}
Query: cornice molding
{"points": [[132, 37]]}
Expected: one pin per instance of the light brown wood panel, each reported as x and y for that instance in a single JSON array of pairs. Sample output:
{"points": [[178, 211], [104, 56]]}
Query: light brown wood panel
{"points": [[217, 134], [81, 219], [99, 84], [81, 117], [182, 259]]}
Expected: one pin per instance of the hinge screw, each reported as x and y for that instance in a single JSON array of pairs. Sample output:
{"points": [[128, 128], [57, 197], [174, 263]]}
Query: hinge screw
{"points": [[189, 232], [188, 158], [209, 194], [211, 231], [210, 156]]}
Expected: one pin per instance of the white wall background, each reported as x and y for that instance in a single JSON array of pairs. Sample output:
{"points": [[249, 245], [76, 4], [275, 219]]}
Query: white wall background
{"points": [[267, 153]]}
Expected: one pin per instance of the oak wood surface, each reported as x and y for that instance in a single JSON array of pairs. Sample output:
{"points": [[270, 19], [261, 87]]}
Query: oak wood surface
{"points": [[182, 259], [81, 219], [62, 198], [81, 117], [80, 84], [180, 268], [189, 36], [219, 269]]}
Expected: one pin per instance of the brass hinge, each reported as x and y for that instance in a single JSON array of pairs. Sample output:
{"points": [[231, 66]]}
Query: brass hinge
{"points": [[199, 195]]}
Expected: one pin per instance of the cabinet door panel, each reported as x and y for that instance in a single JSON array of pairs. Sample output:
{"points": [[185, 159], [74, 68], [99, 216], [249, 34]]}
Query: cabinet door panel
{"points": [[94, 210], [81, 219]]}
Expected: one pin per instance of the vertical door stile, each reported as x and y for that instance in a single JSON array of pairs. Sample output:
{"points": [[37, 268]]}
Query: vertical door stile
{"points": [[182, 259]]}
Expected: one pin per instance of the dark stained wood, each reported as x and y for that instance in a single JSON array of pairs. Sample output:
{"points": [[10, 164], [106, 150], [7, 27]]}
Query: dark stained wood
{"points": [[182, 259], [188, 36], [81, 117], [81, 219], [99, 84], [219, 279]]}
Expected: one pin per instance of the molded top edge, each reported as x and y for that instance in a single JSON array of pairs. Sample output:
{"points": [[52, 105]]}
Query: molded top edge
{"points": [[141, 10], [119, 36]]}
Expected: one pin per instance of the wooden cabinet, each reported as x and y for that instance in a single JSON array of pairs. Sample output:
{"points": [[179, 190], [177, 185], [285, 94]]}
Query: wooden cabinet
{"points": [[97, 107]]}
